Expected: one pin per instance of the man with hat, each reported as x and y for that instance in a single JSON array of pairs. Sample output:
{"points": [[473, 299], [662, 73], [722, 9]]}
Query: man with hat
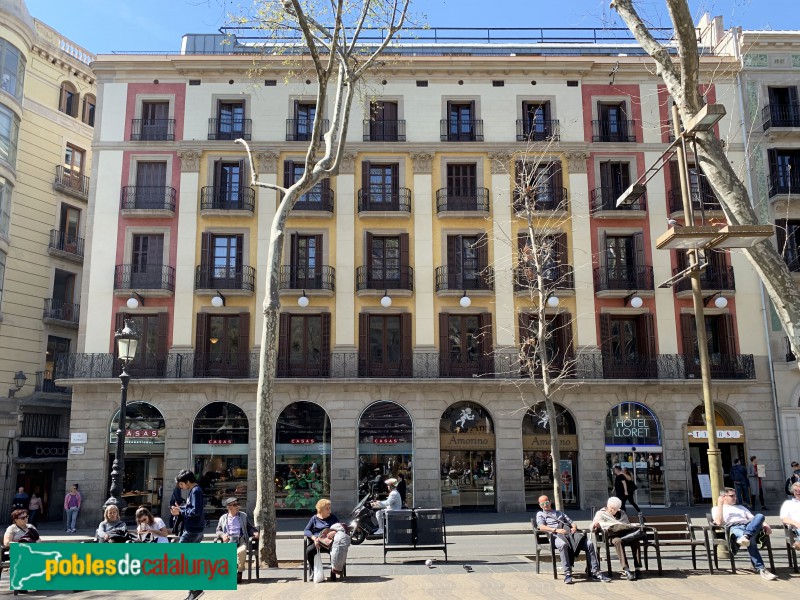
{"points": [[393, 502], [235, 527]]}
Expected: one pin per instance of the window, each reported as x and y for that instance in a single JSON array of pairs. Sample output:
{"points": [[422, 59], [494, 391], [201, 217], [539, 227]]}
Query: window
{"points": [[461, 124], [151, 183], [383, 124], [2, 275], [784, 171], [306, 262], [467, 257], [5, 206], [230, 122], [68, 102], [155, 124], [465, 345], [380, 186], [721, 344], [304, 345], [319, 197], [536, 123], [788, 237], [613, 124], [229, 184], [462, 186], [703, 197], [551, 252], [615, 178], [557, 339], [62, 304], [387, 261], [304, 113], [56, 348], [147, 260], [628, 346], [69, 227], [87, 114], [544, 185], [73, 167], [222, 261], [12, 70], [783, 110], [151, 354], [624, 260], [384, 348], [223, 345], [9, 133]]}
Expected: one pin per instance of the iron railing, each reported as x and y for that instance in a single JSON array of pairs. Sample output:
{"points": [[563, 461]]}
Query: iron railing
{"points": [[210, 277], [404, 367], [384, 131], [300, 130], [214, 197], [711, 279], [463, 366], [543, 197], [723, 366], [229, 129], [40, 425], [605, 198], [72, 182], [780, 115], [144, 277], [148, 197], [628, 278], [294, 277], [396, 278], [784, 182], [462, 130], [468, 200], [702, 196], [58, 310], [559, 277], [605, 130], [45, 383], [318, 198], [398, 200], [448, 278], [64, 242], [538, 131], [153, 130]]}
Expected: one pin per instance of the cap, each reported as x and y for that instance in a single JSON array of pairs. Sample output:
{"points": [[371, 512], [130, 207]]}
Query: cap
{"points": [[391, 481], [229, 501], [794, 464]]}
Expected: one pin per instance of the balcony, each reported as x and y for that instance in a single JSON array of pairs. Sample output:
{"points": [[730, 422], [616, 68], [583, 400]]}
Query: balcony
{"points": [[209, 277], [614, 131], [152, 280], [300, 130], [479, 280], [538, 131], [624, 279], [780, 115], [71, 182], [466, 366], [546, 198], [560, 277], [399, 278], [45, 383], [156, 200], [461, 131], [152, 130], [783, 183], [61, 313], [294, 277], [384, 131], [66, 246], [404, 367], [225, 199], [722, 366], [462, 201], [385, 201], [603, 204], [319, 199], [712, 279], [229, 129], [703, 199]]}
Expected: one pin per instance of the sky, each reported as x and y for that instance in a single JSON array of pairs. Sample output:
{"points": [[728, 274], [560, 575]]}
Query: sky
{"points": [[104, 26]]}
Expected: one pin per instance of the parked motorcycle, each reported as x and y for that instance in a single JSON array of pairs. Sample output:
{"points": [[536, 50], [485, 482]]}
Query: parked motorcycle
{"points": [[363, 522]]}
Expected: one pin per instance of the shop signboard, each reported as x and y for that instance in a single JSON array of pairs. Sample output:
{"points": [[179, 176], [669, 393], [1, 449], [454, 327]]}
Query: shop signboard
{"points": [[140, 436], [467, 441], [727, 434], [541, 443]]}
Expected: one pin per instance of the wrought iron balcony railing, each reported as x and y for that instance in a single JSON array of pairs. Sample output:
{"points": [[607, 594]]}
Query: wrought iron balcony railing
{"points": [[459, 365], [780, 115], [64, 242], [214, 197], [319, 198], [149, 277], [542, 197], [58, 310], [467, 200], [703, 199], [629, 278], [45, 383], [153, 130], [148, 197], [784, 182], [71, 182], [538, 131], [480, 279], [384, 131], [300, 130], [229, 129], [210, 277], [605, 198], [470, 130], [605, 130], [294, 277], [369, 368], [711, 279], [389, 278], [398, 200], [559, 277]]}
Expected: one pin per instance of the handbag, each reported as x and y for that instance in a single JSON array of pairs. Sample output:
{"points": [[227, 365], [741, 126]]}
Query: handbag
{"points": [[325, 538], [634, 536], [318, 573]]}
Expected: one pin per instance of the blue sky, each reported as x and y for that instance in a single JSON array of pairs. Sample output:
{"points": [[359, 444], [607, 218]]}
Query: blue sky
{"points": [[102, 26]]}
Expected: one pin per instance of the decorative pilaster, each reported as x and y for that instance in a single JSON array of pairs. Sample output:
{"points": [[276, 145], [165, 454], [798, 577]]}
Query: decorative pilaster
{"points": [[267, 162], [190, 161], [347, 164], [422, 162], [500, 162], [576, 162]]}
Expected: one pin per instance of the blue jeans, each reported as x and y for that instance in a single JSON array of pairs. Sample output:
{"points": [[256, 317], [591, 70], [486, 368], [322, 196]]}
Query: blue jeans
{"points": [[742, 492], [190, 538], [72, 517], [751, 530]]}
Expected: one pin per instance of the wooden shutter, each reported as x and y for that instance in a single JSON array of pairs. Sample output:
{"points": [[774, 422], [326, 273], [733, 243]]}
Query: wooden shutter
{"points": [[240, 256], [206, 260], [688, 337], [288, 173], [162, 345], [560, 245], [675, 181], [405, 262], [365, 191], [201, 333], [792, 100], [62, 99], [363, 344], [406, 348], [605, 334], [244, 344], [605, 174], [564, 335], [556, 176], [682, 259], [727, 334], [602, 248], [524, 326], [638, 257], [487, 343], [320, 257], [293, 250], [394, 169], [646, 334], [444, 344], [368, 258], [325, 345], [781, 231], [773, 97], [772, 157], [454, 244], [483, 251], [472, 115], [284, 327]]}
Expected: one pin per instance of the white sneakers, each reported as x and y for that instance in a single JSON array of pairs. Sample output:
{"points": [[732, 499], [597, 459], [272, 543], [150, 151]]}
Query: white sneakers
{"points": [[767, 575], [743, 541]]}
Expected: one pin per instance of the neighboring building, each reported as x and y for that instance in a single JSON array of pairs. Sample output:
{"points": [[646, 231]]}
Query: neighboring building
{"points": [[422, 212], [47, 109]]}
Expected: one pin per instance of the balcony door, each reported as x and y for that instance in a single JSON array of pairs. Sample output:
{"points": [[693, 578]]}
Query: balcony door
{"points": [[536, 120], [384, 348], [228, 184], [465, 345], [147, 260], [720, 341], [461, 121], [787, 233], [551, 253], [151, 180], [306, 262], [624, 257], [462, 186], [69, 228], [230, 123], [223, 257], [613, 122], [315, 198], [628, 346], [467, 256], [387, 261], [380, 184], [383, 123], [74, 159], [222, 345], [155, 121], [784, 108], [615, 178], [151, 354], [304, 113], [304, 345], [57, 347]]}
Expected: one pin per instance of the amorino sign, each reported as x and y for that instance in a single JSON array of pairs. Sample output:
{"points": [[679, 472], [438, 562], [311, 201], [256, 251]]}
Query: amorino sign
{"points": [[471, 440]]}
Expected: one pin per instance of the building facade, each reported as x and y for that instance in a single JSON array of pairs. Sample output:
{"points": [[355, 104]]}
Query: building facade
{"points": [[403, 303], [47, 108]]}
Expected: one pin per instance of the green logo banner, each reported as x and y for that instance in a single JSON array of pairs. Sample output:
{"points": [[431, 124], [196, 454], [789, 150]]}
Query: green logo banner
{"points": [[69, 566]]}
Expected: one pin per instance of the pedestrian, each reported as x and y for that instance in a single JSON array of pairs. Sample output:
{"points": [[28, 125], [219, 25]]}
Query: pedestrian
{"points": [[632, 487], [20, 500], [401, 488], [176, 498], [740, 482], [790, 513], [756, 484], [620, 485], [193, 512], [72, 504], [793, 478], [34, 508]]}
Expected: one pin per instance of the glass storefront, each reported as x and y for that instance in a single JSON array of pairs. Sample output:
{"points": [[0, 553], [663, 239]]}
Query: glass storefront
{"points": [[633, 441], [537, 462], [220, 443], [302, 457], [385, 448], [467, 456], [145, 434]]}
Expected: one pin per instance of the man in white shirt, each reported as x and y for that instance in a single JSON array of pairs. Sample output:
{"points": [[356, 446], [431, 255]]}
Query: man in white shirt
{"points": [[393, 502], [790, 512], [741, 523]]}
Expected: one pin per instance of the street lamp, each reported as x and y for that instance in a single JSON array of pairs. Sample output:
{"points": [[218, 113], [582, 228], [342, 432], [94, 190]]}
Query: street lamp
{"points": [[127, 343]]}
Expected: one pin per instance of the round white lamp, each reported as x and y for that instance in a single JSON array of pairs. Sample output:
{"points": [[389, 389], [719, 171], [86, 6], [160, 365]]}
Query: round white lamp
{"points": [[720, 302], [302, 301], [217, 301], [636, 302], [465, 301], [132, 302], [386, 301], [553, 301]]}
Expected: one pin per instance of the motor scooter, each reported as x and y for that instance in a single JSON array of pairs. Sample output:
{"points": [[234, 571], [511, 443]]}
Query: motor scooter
{"points": [[363, 523]]}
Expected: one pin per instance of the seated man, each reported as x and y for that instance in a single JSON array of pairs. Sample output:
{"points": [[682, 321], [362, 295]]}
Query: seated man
{"points": [[235, 527], [740, 522], [561, 525], [615, 524], [393, 502], [790, 513]]}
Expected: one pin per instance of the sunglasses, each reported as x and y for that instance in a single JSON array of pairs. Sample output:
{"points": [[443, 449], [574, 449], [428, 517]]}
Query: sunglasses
{"points": [[544, 502], [23, 518]]}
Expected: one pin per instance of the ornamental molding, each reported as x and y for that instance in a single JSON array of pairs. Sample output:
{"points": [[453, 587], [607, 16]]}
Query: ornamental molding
{"points": [[576, 162], [190, 161], [267, 162], [347, 164], [422, 162], [501, 162]]}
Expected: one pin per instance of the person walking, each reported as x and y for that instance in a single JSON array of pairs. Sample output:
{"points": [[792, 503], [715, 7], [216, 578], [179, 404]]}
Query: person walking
{"points": [[756, 484], [20, 500], [740, 482], [72, 505], [632, 487], [34, 508], [194, 515]]}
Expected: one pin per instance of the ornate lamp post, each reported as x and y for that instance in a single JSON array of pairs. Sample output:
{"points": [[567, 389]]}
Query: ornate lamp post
{"points": [[127, 343]]}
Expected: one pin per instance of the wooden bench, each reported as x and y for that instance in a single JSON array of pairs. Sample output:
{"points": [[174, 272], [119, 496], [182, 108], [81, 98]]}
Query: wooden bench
{"points": [[544, 539], [791, 538], [667, 532], [719, 536]]}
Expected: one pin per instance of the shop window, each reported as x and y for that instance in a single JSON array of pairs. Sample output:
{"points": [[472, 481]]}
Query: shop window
{"points": [[385, 449], [220, 445], [537, 465], [68, 101]]}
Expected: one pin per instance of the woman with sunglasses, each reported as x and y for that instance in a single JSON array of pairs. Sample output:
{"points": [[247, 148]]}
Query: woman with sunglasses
{"points": [[20, 530], [152, 526]]}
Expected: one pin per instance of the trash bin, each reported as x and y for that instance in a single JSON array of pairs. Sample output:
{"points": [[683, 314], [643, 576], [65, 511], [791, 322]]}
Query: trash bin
{"points": [[430, 527], [399, 527]]}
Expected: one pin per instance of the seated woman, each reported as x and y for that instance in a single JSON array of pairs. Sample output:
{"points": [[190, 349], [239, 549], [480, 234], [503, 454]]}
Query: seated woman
{"points": [[319, 530], [148, 525], [613, 522], [112, 528], [20, 530]]}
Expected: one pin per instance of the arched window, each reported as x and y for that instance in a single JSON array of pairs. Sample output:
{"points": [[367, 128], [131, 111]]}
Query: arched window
{"points": [[68, 102], [87, 112]]}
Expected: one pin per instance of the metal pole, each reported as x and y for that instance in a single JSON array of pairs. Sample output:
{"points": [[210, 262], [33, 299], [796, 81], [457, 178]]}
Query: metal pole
{"points": [[714, 457], [118, 467]]}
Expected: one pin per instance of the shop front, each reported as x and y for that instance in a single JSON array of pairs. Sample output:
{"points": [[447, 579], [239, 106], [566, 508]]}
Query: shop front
{"points": [[537, 466], [730, 441], [302, 457], [467, 457], [633, 441], [220, 443], [145, 436], [385, 448]]}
